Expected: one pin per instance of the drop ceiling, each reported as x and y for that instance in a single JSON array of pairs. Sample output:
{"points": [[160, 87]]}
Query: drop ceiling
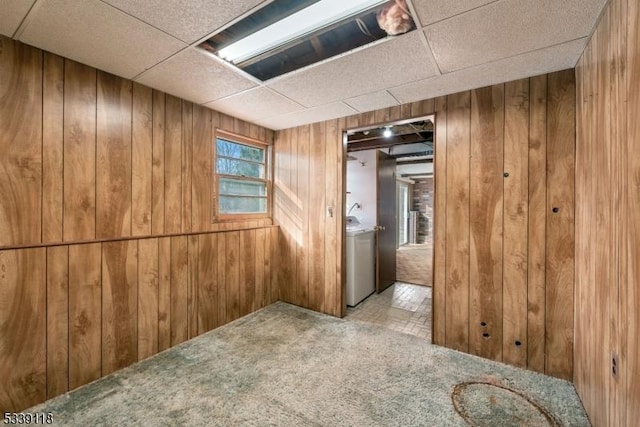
{"points": [[458, 46]]}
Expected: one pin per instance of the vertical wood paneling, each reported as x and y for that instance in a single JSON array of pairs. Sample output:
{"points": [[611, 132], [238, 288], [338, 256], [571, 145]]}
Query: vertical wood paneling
{"points": [[341, 233], [201, 214], [247, 274], [148, 293], [20, 144], [179, 289], [283, 210], [57, 321], [582, 225], [560, 226], [631, 275], [271, 265], [484, 222], [603, 254], [317, 216], [192, 287], [606, 257], [52, 147], [227, 122], [208, 302], [333, 287], [232, 274], [261, 253], [164, 293], [440, 224], [22, 328], [79, 221], [85, 323], [591, 377], [382, 116], [302, 237], [457, 254], [119, 305], [113, 182], [173, 165], [537, 223], [86, 156], [596, 355], [141, 160], [367, 119], [240, 126], [421, 108], [170, 172], [187, 164], [224, 315], [595, 374], [395, 113], [157, 168], [288, 249], [486, 206], [516, 154], [617, 397]]}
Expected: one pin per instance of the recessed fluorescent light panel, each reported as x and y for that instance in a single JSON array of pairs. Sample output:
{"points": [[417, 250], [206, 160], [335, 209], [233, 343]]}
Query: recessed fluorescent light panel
{"points": [[287, 35]]}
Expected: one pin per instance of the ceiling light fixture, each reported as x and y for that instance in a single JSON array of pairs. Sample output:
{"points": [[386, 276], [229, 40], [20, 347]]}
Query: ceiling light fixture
{"points": [[387, 132], [305, 21]]}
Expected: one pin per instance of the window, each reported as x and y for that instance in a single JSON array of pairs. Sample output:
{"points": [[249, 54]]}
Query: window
{"points": [[241, 171]]}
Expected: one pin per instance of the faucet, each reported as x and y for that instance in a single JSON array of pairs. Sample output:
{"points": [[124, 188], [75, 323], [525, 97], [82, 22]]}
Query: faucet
{"points": [[356, 204]]}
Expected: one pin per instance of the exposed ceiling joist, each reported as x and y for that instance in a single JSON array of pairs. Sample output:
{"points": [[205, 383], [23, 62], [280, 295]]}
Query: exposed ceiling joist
{"points": [[413, 162], [417, 175], [385, 142]]}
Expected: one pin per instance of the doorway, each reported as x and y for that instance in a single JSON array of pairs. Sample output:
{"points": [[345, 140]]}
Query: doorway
{"points": [[386, 167], [411, 253]]}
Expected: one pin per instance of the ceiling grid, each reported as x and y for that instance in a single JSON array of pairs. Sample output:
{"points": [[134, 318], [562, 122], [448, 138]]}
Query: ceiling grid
{"points": [[458, 46]]}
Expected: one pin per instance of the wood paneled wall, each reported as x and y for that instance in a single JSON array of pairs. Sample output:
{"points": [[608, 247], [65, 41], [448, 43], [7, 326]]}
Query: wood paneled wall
{"points": [[607, 232], [504, 259], [90, 156], [308, 202], [70, 314], [108, 251]]}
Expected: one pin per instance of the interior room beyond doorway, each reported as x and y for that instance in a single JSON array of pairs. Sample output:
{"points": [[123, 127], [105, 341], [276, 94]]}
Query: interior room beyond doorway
{"points": [[389, 190]]}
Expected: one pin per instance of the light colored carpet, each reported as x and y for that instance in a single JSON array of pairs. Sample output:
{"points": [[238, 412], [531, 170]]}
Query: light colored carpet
{"points": [[288, 366]]}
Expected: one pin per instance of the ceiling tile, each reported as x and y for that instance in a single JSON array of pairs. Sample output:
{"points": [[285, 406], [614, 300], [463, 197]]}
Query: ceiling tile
{"points": [[13, 12], [255, 104], [310, 115], [372, 101], [96, 34], [195, 75], [188, 20], [430, 11], [392, 62], [508, 28], [556, 58]]}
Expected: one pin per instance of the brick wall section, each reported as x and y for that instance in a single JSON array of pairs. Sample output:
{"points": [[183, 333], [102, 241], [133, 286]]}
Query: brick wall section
{"points": [[422, 200]]}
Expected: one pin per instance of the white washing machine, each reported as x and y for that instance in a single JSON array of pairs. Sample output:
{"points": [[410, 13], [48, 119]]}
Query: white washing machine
{"points": [[360, 261]]}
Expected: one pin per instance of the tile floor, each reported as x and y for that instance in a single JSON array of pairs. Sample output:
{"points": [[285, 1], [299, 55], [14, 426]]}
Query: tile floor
{"points": [[402, 307], [413, 263]]}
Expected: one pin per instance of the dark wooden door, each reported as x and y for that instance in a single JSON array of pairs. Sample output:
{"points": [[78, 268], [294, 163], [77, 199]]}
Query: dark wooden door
{"points": [[386, 236]]}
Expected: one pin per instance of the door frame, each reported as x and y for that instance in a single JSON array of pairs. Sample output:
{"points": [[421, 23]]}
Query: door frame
{"points": [[343, 196], [399, 186]]}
